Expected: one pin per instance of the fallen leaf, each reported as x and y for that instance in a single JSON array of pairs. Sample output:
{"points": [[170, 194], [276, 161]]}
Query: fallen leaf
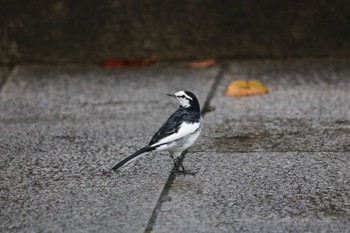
{"points": [[202, 63], [120, 63], [246, 87]]}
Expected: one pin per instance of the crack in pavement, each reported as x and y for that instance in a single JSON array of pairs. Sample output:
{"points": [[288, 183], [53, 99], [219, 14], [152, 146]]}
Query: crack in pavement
{"points": [[172, 176]]}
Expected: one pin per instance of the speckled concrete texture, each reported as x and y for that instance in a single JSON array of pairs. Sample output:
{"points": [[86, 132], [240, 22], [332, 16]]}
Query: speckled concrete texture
{"points": [[260, 192], [278, 162], [307, 109], [63, 128], [273, 163]]}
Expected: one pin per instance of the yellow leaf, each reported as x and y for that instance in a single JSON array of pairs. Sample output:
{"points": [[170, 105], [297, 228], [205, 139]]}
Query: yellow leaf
{"points": [[246, 87]]}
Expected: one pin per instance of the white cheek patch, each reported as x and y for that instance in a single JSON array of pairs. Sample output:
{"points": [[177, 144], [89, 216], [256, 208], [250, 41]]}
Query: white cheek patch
{"points": [[184, 102]]}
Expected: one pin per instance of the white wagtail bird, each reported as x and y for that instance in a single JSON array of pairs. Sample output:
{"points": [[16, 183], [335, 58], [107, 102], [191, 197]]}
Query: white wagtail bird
{"points": [[177, 134]]}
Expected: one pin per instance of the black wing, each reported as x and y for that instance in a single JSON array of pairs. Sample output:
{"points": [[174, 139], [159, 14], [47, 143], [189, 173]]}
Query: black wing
{"points": [[171, 126]]}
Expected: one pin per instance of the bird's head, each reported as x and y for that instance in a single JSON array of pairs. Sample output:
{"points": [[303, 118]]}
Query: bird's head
{"points": [[186, 99]]}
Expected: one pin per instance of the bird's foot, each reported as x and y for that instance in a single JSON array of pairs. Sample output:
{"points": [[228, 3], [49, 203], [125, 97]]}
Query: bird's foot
{"points": [[185, 172], [180, 169]]}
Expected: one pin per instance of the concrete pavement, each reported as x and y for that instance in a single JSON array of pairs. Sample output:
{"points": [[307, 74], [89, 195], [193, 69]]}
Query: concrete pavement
{"points": [[272, 163]]}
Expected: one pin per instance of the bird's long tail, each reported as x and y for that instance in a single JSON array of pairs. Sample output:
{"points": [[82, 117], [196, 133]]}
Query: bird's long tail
{"points": [[134, 155]]}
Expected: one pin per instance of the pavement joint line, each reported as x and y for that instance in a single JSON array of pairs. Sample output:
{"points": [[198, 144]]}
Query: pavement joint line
{"points": [[6, 78], [172, 176], [206, 107]]}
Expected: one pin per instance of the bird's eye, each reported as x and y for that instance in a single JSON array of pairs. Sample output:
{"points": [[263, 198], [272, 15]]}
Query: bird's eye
{"points": [[183, 96]]}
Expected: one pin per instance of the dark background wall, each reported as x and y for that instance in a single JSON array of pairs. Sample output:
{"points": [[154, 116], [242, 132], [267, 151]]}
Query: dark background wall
{"points": [[63, 31]]}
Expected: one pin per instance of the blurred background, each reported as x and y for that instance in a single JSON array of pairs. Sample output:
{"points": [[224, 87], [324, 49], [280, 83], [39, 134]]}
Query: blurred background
{"points": [[65, 31]]}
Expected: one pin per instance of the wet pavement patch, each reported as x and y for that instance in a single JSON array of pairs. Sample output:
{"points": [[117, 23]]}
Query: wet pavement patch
{"points": [[277, 134]]}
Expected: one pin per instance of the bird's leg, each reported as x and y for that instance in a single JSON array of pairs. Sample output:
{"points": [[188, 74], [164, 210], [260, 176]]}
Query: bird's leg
{"points": [[174, 160], [181, 165], [177, 161], [178, 164]]}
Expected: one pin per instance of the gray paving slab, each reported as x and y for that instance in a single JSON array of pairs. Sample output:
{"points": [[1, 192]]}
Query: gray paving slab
{"points": [[260, 192], [307, 109], [272, 163], [63, 128]]}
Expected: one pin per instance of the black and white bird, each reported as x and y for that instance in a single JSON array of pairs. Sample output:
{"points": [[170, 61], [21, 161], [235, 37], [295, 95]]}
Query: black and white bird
{"points": [[177, 134]]}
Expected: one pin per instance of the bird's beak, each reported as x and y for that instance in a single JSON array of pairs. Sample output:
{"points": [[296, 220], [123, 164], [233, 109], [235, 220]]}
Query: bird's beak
{"points": [[171, 95]]}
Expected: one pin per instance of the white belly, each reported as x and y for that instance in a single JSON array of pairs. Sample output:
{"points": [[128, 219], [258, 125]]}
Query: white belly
{"points": [[182, 143]]}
